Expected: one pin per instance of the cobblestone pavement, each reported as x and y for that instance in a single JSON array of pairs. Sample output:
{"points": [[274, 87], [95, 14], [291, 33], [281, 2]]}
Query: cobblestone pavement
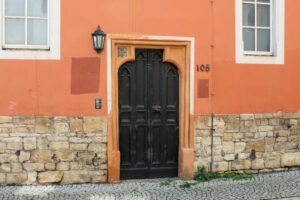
{"points": [[266, 186]]}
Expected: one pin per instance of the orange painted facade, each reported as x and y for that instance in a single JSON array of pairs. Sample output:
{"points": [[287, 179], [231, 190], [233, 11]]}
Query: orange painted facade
{"points": [[43, 87]]}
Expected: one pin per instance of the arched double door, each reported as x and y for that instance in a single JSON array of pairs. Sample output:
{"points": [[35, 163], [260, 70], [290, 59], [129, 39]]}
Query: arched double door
{"points": [[148, 116]]}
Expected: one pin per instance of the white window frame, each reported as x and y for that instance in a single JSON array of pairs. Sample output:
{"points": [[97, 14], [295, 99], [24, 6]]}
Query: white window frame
{"points": [[276, 54], [51, 51], [25, 46]]}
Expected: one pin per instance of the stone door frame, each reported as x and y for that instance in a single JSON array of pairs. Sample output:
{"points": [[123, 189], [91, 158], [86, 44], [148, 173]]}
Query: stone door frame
{"points": [[121, 49]]}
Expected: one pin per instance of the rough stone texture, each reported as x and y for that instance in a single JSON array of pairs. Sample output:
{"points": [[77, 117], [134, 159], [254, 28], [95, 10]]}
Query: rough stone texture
{"points": [[16, 178], [76, 177], [50, 177], [256, 142], [41, 156], [290, 159], [40, 149]]}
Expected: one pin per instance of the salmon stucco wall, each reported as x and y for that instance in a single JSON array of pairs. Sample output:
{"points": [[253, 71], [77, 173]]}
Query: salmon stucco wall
{"points": [[43, 87]]}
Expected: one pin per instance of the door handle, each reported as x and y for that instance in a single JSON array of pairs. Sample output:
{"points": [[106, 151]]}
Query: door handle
{"points": [[156, 108]]}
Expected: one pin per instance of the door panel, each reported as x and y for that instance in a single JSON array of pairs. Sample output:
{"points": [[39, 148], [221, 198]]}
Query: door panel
{"points": [[148, 116]]}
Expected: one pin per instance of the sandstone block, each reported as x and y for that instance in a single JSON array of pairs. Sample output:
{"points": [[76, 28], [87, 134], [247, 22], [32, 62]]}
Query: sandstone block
{"points": [[270, 141], [291, 115], [34, 167], [265, 128], [5, 168], [220, 166], [80, 140], [65, 155], [14, 146], [272, 162], [286, 146], [97, 147], [57, 138], [241, 164], [59, 145], [41, 156], [201, 133], [42, 143], [100, 139], [2, 147], [228, 147], [50, 166], [61, 118], [12, 140], [75, 165], [61, 127], [50, 177], [265, 171], [202, 122], [8, 158], [61, 166], [239, 147], [76, 177], [281, 139], [247, 116], [229, 157], [2, 178], [78, 147], [98, 176], [257, 146], [29, 143], [32, 177], [94, 124], [76, 124], [44, 125], [24, 156], [258, 164], [16, 178], [290, 159], [274, 122], [26, 120], [16, 167], [5, 119]]}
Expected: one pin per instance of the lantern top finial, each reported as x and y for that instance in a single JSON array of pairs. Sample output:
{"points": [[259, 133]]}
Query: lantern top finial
{"points": [[98, 31]]}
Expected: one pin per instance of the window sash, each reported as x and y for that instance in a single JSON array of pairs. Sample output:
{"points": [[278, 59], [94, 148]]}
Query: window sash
{"points": [[26, 18], [256, 28]]}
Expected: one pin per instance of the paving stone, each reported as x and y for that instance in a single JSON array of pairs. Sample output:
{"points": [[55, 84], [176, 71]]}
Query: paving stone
{"points": [[264, 186]]}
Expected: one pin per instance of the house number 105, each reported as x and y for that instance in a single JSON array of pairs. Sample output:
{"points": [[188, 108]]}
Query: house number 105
{"points": [[203, 68]]}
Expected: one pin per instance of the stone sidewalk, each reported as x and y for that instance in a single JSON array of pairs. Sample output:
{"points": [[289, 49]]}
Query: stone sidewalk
{"points": [[264, 186]]}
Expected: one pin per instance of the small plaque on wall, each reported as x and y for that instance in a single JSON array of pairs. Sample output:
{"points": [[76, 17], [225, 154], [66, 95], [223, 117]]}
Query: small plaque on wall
{"points": [[203, 88], [122, 52]]}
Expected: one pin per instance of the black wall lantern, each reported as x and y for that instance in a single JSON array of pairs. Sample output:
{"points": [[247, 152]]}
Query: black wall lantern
{"points": [[98, 39]]}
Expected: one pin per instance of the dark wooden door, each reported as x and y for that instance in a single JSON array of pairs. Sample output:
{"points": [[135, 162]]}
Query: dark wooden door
{"points": [[148, 116]]}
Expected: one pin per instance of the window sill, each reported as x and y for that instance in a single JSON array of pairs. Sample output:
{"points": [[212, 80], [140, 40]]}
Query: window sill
{"points": [[249, 53], [25, 48]]}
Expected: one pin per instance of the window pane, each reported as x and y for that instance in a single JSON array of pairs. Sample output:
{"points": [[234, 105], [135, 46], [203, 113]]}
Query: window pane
{"points": [[37, 8], [249, 39], [14, 31], [248, 14], [15, 7], [37, 32], [264, 1], [263, 15], [263, 40]]}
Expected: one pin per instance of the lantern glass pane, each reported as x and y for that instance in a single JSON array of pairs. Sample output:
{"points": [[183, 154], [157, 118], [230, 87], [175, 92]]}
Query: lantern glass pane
{"points": [[99, 40], [95, 41]]}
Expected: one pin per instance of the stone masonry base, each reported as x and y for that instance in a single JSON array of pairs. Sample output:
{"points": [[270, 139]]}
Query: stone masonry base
{"points": [[65, 150], [254, 143], [45, 150]]}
